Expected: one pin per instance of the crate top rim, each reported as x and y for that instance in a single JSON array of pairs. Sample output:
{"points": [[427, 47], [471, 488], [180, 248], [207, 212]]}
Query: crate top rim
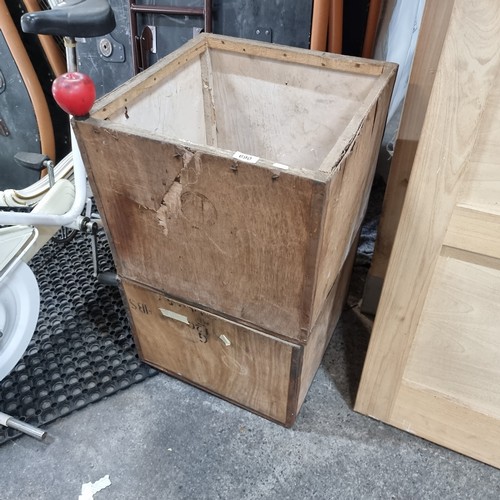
{"points": [[236, 157], [382, 71], [107, 104]]}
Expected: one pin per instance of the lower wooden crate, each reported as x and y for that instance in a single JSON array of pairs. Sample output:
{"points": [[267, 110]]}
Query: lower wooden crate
{"points": [[257, 370]]}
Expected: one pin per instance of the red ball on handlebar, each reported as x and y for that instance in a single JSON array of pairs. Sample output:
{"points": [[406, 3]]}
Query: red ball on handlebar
{"points": [[74, 92]]}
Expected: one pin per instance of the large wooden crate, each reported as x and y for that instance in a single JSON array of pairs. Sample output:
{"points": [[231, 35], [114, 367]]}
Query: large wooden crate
{"points": [[235, 175], [232, 178]]}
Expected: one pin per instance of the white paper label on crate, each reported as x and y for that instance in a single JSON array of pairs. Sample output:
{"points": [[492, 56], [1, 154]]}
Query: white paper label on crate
{"points": [[246, 158], [280, 165], [173, 315]]}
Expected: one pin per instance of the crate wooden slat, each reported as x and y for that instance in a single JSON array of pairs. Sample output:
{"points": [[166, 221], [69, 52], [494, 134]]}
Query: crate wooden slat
{"points": [[260, 236]]}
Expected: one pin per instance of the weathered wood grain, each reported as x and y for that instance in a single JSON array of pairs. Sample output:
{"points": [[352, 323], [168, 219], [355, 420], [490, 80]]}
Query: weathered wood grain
{"points": [[255, 370], [432, 33], [240, 364], [433, 361]]}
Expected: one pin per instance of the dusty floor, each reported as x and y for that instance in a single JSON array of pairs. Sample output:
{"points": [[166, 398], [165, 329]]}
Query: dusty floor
{"points": [[163, 439]]}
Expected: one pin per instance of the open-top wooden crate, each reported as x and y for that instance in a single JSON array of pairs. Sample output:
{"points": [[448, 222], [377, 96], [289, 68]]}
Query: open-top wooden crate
{"points": [[233, 176]]}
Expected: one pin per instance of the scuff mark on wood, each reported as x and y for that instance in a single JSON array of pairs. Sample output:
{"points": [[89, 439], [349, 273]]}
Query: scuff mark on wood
{"points": [[170, 206], [191, 168]]}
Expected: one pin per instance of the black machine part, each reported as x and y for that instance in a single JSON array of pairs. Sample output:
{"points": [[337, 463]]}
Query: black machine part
{"points": [[77, 18]]}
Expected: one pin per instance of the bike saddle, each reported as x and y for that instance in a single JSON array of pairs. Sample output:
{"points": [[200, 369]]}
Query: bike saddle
{"points": [[73, 18]]}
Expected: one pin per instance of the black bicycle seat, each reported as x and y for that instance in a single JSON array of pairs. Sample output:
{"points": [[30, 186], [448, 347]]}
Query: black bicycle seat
{"points": [[73, 18]]}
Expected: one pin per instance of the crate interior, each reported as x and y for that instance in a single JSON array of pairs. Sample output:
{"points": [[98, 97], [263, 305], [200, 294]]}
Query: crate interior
{"points": [[285, 112]]}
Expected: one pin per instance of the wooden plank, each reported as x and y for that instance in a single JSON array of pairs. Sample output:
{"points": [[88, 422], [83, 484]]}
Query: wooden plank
{"points": [[269, 94], [294, 55], [144, 82], [489, 153], [176, 108], [481, 185], [226, 358], [324, 326], [433, 30], [207, 82], [467, 71], [375, 97], [347, 198]]}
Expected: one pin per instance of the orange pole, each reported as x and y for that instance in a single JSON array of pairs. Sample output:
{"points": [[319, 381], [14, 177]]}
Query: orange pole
{"points": [[30, 79], [319, 27], [336, 22], [52, 51], [371, 28]]}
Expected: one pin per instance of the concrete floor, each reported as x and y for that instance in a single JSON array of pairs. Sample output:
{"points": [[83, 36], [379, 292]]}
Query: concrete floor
{"points": [[163, 439]]}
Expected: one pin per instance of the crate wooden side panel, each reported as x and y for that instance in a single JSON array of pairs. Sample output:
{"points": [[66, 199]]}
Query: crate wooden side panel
{"points": [[244, 366], [229, 236], [172, 109], [348, 192], [287, 126], [432, 366], [324, 326], [147, 81]]}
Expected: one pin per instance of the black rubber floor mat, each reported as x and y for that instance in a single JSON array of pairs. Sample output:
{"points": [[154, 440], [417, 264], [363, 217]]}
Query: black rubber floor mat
{"points": [[82, 350]]}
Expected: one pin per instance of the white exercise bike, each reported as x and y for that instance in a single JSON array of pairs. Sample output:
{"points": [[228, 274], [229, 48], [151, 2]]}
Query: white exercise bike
{"points": [[62, 199]]}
